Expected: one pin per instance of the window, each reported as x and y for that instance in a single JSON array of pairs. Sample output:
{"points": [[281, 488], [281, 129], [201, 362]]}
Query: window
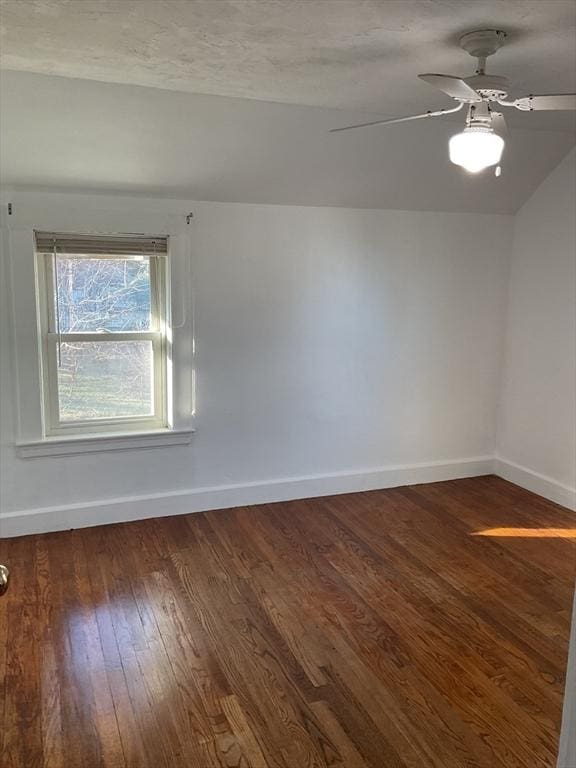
{"points": [[103, 320]]}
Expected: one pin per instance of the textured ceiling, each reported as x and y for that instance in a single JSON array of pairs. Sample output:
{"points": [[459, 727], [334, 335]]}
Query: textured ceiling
{"points": [[349, 54], [76, 134]]}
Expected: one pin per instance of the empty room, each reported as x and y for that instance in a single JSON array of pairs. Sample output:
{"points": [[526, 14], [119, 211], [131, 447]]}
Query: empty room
{"points": [[287, 383]]}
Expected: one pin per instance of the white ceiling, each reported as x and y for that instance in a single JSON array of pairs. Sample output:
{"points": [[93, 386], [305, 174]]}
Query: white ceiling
{"points": [[342, 61]]}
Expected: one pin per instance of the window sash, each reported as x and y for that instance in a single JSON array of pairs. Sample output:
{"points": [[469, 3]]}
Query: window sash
{"points": [[53, 425], [105, 336]]}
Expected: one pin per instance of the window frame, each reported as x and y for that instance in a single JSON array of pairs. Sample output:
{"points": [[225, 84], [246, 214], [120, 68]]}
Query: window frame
{"points": [[53, 425], [96, 214]]}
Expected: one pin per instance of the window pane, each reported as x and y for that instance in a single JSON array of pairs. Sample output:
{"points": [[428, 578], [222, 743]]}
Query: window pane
{"points": [[105, 379], [95, 295]]}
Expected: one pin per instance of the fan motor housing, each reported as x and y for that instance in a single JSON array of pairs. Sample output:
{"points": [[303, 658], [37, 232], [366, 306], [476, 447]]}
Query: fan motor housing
{"points": [[490, 87]]}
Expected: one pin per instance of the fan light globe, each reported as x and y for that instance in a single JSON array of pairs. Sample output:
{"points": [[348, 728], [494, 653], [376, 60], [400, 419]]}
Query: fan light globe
{"points": [[476, 148]]}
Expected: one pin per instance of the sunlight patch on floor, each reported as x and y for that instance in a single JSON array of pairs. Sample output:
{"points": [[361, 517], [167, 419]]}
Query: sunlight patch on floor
{"points": [[529, 533]]}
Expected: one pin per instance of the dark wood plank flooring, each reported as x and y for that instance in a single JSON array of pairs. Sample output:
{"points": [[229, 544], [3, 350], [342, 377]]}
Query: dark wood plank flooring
{"points": [[407, 628]]}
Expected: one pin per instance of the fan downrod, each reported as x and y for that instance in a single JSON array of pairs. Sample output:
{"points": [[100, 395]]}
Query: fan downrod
{"points": [[481, 44]]}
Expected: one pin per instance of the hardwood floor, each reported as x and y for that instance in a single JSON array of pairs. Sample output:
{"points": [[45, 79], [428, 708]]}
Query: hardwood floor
{"points": [[406, 628]]}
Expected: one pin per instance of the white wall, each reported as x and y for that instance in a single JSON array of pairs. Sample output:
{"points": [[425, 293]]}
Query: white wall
{"points": [[537, 419], [328, 341]]}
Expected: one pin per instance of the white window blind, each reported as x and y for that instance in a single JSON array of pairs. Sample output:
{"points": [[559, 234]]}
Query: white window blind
{"points": [[102, 245]]}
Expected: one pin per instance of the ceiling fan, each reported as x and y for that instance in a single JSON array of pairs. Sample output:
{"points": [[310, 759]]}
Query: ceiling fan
{"points": [[481, 143]]}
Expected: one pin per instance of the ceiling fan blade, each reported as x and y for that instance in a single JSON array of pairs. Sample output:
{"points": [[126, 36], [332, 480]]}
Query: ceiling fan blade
{"points": [[453, 86], [499, 124], [558, 101], [430, 113]]}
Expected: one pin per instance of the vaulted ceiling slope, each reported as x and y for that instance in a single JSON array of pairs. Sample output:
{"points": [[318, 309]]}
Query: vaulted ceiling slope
{"points": [[82, 135], [299, 67]]}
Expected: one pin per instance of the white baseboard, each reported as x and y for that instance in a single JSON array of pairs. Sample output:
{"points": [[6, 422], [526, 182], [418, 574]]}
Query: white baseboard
{"points": [[44, 519], [533, 481]]}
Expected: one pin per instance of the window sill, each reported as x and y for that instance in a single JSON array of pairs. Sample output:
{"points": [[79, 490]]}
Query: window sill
{"points": [[73, 445]]}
